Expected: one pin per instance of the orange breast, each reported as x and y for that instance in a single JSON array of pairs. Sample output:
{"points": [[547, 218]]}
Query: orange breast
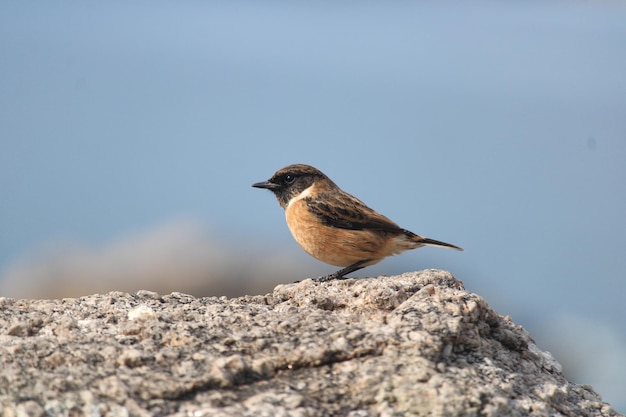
{"points": [[339, 247]]}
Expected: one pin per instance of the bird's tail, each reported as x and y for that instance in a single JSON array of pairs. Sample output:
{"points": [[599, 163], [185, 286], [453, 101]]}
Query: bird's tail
{"points": [[421, 241]]}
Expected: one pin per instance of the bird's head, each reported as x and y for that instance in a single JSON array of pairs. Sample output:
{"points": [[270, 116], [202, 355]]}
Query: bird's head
{"points": [[292, 181]]}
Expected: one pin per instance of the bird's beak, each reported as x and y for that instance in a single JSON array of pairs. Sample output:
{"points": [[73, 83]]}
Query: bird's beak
{"points": [[267, 185]]}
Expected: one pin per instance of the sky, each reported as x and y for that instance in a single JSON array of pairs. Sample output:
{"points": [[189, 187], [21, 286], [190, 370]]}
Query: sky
{"points": [[130, 133]]}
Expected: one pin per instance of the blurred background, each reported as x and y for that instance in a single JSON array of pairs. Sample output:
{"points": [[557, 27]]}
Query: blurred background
{"points": [[130, 133]]}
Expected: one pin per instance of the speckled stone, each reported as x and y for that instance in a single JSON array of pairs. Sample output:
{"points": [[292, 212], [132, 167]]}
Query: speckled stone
{"points": [[416, 344]]}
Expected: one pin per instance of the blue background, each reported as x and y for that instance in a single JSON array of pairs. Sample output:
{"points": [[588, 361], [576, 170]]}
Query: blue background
{"points": [[130, 133]]}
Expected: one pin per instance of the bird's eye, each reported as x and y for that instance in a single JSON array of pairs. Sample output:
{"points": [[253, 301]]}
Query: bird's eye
{"points": [[289, 178]]}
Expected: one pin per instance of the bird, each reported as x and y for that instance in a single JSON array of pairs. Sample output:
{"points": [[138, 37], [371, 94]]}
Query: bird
{"points": [[335, 227]]}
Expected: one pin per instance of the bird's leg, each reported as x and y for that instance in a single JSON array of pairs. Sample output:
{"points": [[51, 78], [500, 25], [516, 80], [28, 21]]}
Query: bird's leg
{"points": [[342, 272]]}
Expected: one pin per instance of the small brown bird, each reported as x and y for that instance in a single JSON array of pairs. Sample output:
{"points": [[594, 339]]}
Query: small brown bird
{"points": [[334, 226]]}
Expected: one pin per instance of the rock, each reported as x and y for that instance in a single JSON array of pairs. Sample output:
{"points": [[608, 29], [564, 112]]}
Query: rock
{"points": [[416, 344]]}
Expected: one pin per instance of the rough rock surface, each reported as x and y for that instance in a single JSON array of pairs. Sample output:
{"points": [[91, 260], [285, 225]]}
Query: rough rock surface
{"points": [[417, 344]]}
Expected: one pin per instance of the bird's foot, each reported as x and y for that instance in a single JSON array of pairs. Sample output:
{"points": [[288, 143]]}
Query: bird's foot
{"points": [[341, 274], [330, 277]]}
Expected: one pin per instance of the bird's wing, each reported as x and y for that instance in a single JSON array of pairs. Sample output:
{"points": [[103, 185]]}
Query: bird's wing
{"points": [[344, 211]]}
